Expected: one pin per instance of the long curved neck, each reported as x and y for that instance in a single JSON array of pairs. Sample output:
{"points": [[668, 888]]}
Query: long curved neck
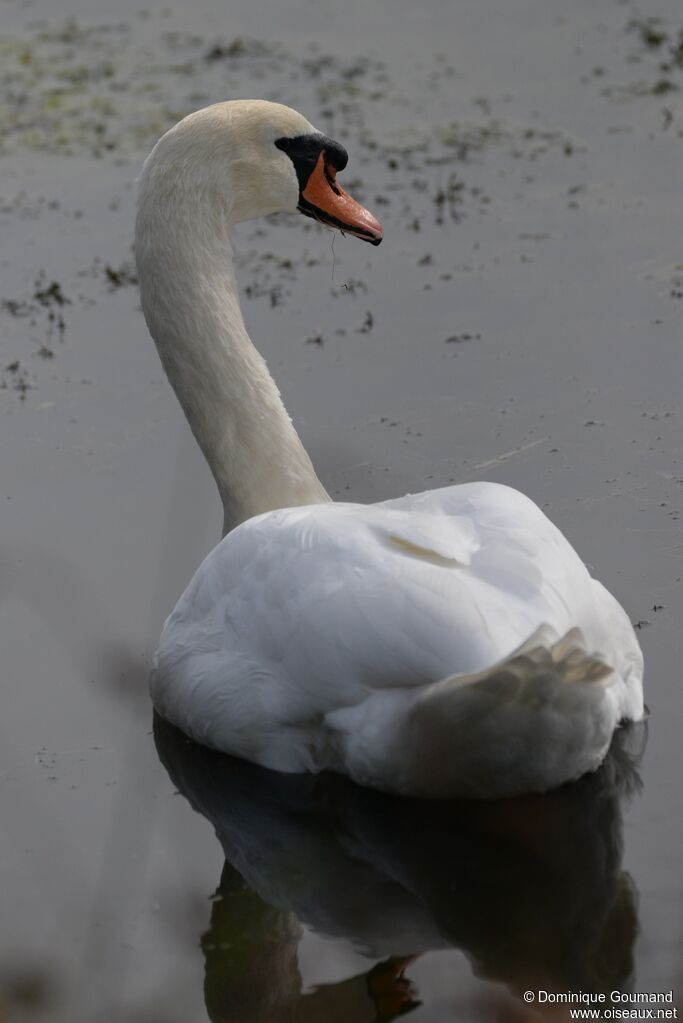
{"points": [[190, 301]]}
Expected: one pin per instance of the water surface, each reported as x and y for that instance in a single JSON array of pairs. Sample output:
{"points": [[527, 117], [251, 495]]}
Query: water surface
{"points": [[520, 323]]}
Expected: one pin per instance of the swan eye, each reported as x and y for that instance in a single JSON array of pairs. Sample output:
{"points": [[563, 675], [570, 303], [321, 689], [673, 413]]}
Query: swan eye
{"points": [[304, 152]]}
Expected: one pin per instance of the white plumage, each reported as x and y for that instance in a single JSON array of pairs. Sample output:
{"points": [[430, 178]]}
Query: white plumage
{"points": [[444, 644]]}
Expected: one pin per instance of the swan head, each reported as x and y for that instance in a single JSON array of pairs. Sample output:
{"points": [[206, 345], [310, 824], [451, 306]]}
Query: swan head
{"points": [[252, 158]]}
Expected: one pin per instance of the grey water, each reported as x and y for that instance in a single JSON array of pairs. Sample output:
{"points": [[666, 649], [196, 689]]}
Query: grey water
{"points": [[520, 323]]}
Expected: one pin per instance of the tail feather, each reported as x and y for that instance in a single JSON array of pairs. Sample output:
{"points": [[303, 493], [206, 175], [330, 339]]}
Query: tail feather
{"points": [[541, 656], [539, 718]]}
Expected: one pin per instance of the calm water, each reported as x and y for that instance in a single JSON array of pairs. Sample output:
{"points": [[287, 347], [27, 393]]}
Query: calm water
{"points": [[521, 323]]}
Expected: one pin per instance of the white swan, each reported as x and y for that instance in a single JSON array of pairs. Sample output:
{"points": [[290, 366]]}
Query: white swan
{"points": [[445, 644]]}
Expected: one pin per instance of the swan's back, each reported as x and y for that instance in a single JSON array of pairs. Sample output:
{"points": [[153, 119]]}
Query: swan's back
{"points": [[320, 637]]}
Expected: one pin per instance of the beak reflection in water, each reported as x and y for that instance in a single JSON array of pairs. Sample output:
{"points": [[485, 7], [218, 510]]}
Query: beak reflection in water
{"points": [[530, 889]]}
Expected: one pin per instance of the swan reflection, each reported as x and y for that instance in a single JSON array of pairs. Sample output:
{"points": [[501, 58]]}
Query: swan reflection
{"points": [[531, 889]]}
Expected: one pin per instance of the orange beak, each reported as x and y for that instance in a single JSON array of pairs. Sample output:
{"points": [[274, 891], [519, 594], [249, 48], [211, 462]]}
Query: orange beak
{"points": [[325, 201]]}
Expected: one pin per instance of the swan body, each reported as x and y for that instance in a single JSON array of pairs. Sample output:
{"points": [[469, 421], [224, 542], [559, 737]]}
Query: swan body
{"points": [[445, 644]]}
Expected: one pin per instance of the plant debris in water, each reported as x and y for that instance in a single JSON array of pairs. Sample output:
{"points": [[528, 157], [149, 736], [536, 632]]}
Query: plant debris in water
{"points": [[659, 53], [48, 297], [367, 324], [14, 377], [119, 277], [456, 339]]}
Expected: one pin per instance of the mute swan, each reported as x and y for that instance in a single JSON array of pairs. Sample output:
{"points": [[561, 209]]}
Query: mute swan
{"points": [[445, 644]]}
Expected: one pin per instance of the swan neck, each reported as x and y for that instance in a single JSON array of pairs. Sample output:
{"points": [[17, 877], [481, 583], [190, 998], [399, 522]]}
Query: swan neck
{"points": [[190, 300]]}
